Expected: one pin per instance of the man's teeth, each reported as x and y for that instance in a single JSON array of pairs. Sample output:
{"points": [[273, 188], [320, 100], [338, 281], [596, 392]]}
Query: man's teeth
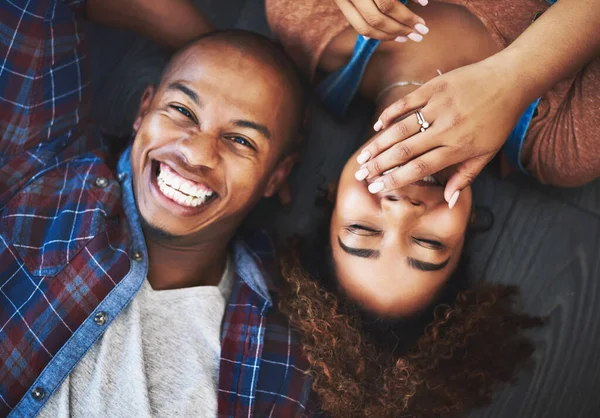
{"points": [[181, 190]]}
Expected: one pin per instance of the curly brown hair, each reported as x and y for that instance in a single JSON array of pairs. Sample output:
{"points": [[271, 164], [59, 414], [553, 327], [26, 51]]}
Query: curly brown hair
{"points": [[363, 367]]}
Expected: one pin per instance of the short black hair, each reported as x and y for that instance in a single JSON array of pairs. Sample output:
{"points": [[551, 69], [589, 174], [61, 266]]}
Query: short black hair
{"points": [[268, 52]]}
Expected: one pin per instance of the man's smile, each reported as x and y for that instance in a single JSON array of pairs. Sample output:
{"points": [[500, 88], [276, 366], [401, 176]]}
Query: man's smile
{"points": [[179, 194]]}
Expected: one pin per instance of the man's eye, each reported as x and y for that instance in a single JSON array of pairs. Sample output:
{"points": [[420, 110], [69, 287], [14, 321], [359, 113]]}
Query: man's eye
{"points": [[241, 140], [184, 112]]}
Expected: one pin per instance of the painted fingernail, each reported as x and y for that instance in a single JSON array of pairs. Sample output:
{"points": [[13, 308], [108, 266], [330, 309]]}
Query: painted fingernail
{"points": [[366, 37], [422, 29], [453, 199], [415, 37], [378, 125], [376, 187], [363, 157], [401, 39], [423, 2], [361, 174]]}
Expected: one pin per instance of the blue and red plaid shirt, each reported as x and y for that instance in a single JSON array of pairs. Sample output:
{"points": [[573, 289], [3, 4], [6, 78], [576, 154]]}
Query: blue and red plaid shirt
{"points": [[72, 253]]}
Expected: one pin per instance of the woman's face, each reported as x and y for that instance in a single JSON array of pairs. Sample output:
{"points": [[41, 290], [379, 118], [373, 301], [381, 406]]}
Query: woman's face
{"points": [[394, 251]]}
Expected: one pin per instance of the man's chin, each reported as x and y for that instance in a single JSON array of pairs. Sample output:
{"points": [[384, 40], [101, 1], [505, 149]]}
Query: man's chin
{"points": [[157, 233]]}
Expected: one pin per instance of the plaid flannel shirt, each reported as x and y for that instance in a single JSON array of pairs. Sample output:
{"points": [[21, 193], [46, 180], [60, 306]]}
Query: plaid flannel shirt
{"points": [[72, 253]]}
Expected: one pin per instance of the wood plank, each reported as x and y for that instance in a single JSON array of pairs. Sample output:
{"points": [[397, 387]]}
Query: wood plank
{"points": [[223, 14], [498, 197], [118, 98], [551, 251], [586, 197], [252, 17]]}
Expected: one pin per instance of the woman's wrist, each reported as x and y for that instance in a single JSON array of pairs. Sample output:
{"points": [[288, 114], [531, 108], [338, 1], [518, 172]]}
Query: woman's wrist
{"points": [[515, 77]]}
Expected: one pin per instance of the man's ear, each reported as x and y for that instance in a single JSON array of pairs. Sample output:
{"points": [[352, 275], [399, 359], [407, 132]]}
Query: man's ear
{"points": [[280, 174], [144, 107]]}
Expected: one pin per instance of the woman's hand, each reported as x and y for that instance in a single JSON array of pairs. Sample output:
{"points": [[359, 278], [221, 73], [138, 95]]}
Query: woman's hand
{"points": [[384, 19], [471, 111]]}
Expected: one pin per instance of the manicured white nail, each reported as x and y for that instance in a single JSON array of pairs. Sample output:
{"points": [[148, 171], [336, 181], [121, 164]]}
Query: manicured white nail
{"points": [[361, 174], [363, 157], [378, 125], [401, 39], [415, 37], [376, 187], [422, 29], [423, 2], [453, 199], [366, 37]]}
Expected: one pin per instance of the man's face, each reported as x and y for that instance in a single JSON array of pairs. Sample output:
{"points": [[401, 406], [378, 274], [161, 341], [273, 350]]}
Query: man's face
{"points": [[210, 142]]}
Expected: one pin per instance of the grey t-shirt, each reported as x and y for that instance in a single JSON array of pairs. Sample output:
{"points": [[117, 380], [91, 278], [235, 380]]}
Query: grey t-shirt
{"points": [[159, 358]]}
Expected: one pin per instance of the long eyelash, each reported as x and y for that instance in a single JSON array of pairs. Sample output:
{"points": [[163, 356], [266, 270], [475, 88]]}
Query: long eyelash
{"points": [[435, 244], [364, 228]]}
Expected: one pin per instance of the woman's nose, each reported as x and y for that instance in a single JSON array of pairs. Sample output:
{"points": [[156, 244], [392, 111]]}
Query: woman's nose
{"points": [[402, 205]]}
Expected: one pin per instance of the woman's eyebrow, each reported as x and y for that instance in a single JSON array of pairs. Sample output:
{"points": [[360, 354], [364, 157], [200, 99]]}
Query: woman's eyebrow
{"points": [[425, 266], [359, 252]]}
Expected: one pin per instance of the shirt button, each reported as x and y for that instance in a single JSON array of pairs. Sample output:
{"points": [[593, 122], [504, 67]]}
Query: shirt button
{"points": [[137, 255], [121, 176], [100, 318], [38, 393], [101, 182]]}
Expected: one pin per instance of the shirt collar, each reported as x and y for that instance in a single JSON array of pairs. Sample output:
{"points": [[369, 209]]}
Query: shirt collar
{"points": [[245, 260]]}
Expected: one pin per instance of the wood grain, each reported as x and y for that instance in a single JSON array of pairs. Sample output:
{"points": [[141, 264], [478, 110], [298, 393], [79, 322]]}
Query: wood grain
{"points": [[551, 251]]}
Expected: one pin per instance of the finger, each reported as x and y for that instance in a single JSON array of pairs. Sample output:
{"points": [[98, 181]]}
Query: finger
{"points": [[397, 155], [465, 174], [408, 103], [358, 23], [415, 170], [375, 18], [285, 194], [402, 14], [397, 132]]}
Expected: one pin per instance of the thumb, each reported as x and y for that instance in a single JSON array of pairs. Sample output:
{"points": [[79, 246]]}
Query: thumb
{"points": [[465, 173]]}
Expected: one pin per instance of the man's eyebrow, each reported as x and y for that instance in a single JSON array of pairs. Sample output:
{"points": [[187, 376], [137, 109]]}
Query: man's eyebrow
{"points": [[359, 252], [425, 266], [187, 91], [253, 125]]}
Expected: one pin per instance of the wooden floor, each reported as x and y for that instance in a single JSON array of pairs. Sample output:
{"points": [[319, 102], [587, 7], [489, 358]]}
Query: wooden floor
{"points": [[545, 240]]}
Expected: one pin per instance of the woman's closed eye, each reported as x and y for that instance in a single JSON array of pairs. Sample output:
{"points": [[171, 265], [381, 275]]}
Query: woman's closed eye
{"points": [[363, 230], [430, 244]]}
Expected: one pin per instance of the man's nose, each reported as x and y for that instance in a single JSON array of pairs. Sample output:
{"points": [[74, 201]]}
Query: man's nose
{"points": [[201, 150]]}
